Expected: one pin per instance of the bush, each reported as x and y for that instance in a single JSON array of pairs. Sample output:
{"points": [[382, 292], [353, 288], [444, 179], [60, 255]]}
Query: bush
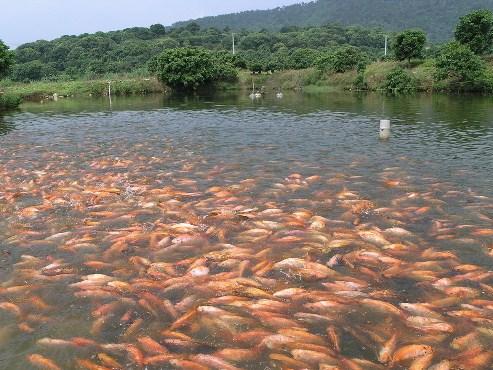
{"points": [[9, 101], [461, 69], [359, 82], [342, 60], [191, 68], [399, 80]]}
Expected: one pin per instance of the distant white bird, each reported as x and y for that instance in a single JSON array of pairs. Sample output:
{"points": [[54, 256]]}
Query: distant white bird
{"points": [[255, 93]]}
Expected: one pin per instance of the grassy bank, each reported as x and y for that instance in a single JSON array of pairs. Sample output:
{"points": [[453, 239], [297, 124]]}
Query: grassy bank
{"points": [[81, 88], [309, 80], [313, 80]]}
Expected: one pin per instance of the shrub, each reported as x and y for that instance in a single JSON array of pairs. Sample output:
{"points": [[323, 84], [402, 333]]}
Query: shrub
{"points": [[9, 101], [399, 80], [461, 68], [359, 82]]}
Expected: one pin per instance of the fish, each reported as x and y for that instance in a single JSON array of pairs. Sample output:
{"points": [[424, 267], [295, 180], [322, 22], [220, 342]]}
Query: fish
{"points": [[306, 270], [42, 362], [177, 259], [429, 324], [411, 352], [385, 354]]}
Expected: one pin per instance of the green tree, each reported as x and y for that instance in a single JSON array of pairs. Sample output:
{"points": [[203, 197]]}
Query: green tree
{"points": [[255, 66], [458, 64], [6, 60], [348, 58], [192, 27], [342, 60], [280, 60], [303, 58], [31, 71], [409, 44], [158, 29], [130, 49], [191, 68], [476, 31]]}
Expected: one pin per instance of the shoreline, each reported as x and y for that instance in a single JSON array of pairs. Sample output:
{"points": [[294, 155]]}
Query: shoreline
{"points": [[307, 80]]}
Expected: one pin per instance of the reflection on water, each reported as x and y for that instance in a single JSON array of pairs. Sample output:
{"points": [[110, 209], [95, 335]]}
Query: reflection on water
{"points": [[220, 233], [5, 127]]}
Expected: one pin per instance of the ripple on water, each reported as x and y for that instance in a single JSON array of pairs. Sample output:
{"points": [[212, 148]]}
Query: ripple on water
{"points": [[275, 234]]}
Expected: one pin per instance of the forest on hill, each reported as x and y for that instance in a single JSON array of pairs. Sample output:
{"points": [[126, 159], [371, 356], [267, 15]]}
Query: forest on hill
{"points": [[129, 50], [436, 17]]}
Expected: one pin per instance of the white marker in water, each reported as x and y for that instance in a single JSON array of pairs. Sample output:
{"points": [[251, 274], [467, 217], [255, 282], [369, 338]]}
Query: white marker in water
{"points": [[384, 129]]}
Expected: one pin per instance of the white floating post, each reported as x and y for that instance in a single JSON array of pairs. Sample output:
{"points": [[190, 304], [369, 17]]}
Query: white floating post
{"points": [[55, 97], [384, 129], [109, 94]]}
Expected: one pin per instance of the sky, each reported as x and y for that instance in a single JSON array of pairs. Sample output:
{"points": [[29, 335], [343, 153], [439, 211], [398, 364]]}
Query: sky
{"points": [[30, 20]]}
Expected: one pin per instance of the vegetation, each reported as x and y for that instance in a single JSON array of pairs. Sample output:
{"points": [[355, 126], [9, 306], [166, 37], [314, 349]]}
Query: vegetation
{"points": [[476, 31], [96, 87], [189, 57], [7, 101], [6, 60], [461, 68], [409, 44], [342, 60], [89, 56], [436, 18], [191, 68], [399, 80]]}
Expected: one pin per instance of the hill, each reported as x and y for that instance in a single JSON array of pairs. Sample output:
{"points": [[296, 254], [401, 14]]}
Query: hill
{"points": [[437, 17]]}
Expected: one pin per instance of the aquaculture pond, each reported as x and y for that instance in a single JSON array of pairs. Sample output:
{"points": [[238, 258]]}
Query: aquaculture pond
{"points": [[224, 233]]}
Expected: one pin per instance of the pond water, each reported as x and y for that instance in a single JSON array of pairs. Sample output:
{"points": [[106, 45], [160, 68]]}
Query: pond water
{"points": [[223, 233]]}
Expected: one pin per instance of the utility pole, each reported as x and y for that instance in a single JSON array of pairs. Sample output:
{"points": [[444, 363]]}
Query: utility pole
{"points": [[234, 51], [386, 44]]}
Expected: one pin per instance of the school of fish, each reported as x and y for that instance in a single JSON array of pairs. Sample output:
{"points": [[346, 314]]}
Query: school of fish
{"points": [[143, 261]]}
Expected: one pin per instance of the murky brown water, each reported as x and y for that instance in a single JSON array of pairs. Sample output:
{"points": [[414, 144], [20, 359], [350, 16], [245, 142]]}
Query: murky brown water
{"points": [[221, 233]]}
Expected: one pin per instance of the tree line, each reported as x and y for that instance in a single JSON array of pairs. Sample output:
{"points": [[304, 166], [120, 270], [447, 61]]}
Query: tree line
{"points": [[129, 50]]}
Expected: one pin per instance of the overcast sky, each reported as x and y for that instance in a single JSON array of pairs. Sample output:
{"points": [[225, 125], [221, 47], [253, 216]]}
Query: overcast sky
{"points": [[29, 20]]}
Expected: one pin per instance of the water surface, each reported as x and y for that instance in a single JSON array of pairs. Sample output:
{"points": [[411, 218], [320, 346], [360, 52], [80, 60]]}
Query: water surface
{"points": [[197, 213]]}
